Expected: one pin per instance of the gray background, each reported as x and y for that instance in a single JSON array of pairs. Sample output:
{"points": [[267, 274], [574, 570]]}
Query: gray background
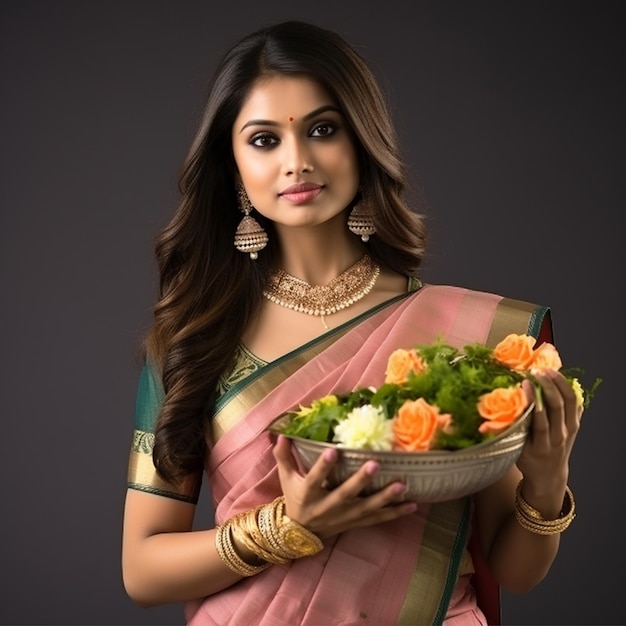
{"points": [[512, 119]]}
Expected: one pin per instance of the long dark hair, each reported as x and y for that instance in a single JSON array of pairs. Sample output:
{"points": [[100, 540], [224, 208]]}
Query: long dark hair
{"points": [[208, 290]]}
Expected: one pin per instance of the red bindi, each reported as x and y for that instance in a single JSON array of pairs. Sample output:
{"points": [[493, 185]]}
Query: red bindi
{"points": [[290, 118]]}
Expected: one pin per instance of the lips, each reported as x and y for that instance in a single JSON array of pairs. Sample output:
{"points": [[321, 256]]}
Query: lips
{"points": [[301, 192]]}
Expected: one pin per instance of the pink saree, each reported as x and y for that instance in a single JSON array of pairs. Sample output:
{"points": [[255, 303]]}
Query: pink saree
{"points": [[413, 570]]}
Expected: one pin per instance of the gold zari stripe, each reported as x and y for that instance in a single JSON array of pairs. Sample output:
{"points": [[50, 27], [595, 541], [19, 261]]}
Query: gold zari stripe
{"points": [[427, 583], [512, 316], [142, 475], [240, 403], [227, 415]]}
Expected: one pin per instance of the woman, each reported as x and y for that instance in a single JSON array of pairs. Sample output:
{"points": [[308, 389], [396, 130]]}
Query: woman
{"points": [[290, 271]]}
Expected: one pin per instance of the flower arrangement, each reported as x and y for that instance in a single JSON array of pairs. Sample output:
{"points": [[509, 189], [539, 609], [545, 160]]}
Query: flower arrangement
{"points": [[435, 397]]}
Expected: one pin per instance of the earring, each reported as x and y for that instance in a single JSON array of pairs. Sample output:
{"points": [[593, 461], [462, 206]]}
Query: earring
{"points": [[250, 236], [360, 220]]}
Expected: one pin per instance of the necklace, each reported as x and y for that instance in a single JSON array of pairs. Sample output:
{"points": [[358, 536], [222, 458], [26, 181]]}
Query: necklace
{"points": [[349, 287]]}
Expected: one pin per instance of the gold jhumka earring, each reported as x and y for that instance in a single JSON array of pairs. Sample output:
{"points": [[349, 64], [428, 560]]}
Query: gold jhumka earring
{"points": [[250, 236], [361, 221]]}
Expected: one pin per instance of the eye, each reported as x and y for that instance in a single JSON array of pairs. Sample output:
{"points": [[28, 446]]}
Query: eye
{"points": [[263, 140], [323, 129]]}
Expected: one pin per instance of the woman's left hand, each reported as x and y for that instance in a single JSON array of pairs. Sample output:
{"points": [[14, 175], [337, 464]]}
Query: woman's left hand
{"points": [[555, 424]]}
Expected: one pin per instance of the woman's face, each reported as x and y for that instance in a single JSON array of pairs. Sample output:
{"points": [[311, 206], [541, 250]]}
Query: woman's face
{"points": [[294, 152]]}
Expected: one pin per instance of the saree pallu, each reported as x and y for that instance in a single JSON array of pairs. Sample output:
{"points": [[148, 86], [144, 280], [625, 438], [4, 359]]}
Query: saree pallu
{"points": [[408, 571]]}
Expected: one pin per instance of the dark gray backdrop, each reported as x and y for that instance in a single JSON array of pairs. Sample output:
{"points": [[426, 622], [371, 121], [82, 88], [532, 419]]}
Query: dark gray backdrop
{"points": [[512, 120]]}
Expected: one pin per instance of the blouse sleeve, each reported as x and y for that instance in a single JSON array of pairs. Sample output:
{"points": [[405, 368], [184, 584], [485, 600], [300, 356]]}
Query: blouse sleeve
{"points": [[142, 474]]}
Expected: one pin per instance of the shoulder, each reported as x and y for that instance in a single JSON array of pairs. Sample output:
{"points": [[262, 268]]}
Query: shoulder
{"points": [[498, 314], [446, 292]]}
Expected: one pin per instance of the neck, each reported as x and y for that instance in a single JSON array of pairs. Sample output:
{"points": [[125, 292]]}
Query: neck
{"points": [[318, 255]]}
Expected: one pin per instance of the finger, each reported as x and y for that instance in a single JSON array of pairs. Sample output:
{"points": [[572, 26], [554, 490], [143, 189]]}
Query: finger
{"points": [[354, 486], [285, 460], [393, 493], [539, 425], [384, 514], [319, 472], [573, 412], [384, 504], [555, 407], [362, 478], [282, 452]]}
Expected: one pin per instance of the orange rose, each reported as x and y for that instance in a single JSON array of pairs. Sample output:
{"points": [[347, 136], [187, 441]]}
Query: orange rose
{"points": [[416, 424], [501, 407], [546, 357], [400, 363], [516, 351]]}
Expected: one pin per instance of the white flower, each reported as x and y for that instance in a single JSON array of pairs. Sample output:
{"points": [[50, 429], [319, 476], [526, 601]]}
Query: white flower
{"points": [[365, 427]]}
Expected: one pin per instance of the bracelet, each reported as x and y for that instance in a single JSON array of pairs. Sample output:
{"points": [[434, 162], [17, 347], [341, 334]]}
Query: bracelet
{"points": [[248, 530], [294, 538], [529, 518], [267, 532], [228, 554]]}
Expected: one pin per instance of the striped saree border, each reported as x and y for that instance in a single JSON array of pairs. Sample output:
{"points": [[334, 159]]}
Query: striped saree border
{"points": [[516, 316], [234, 404], [142, 475], [443, 544]]}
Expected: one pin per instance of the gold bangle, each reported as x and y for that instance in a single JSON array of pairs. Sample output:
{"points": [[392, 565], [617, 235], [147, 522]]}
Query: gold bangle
{"points": [[295, 539], [269, 534], [228, 554], [529, 518], [267, 526], [246, 528]]}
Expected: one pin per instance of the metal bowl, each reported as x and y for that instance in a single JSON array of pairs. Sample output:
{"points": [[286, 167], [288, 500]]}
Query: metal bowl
{"points": [[431, 476]]}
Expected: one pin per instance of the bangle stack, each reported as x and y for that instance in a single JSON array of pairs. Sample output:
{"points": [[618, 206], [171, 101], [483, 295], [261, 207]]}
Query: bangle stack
{"points": [[532, 520], [228, 554], [267, 532]]}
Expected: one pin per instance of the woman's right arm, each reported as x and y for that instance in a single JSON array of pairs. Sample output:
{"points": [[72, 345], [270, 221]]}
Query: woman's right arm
{"points": [[163, 559]]}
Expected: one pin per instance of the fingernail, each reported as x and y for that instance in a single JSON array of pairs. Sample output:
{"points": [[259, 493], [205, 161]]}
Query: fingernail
{"points": [[399, 488], [330, 454], [411, 507], [371, 467]]}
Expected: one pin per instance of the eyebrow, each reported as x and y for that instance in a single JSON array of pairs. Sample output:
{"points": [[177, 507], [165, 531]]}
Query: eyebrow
{"points": [[308, 116]]}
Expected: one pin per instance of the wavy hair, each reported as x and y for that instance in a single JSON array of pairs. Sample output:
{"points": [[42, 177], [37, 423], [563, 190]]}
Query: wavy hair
{"points": [[208, 291]]}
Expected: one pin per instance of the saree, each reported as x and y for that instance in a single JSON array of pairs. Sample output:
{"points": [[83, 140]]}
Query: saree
{"points": [[413, 570]]}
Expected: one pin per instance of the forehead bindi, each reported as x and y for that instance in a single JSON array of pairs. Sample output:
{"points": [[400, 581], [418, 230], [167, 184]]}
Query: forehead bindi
{"points": [[283, 100]]}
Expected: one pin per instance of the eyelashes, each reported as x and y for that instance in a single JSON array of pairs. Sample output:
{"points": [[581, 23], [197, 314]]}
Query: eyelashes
{"points": [[266, 139], [328, 129], [263, 140]]}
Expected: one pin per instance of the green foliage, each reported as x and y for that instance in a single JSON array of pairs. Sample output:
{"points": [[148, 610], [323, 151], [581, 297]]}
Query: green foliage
{"points": [[315, 424], [453, 380]]}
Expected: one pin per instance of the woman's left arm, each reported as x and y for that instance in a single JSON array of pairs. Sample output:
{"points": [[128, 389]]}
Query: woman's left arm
{"points": [[520, 558]]}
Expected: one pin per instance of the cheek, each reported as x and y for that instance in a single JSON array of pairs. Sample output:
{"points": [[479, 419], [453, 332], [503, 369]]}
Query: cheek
{"points": [[254, 171], [344, 164], [250, 164]]}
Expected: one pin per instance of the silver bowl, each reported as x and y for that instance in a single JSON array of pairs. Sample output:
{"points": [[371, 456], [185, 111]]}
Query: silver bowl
{"points": [[431, 476]]}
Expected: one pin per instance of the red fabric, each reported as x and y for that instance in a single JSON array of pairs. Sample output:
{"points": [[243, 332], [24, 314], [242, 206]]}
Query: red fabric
{"points": [[485, 585], [546, 332]]}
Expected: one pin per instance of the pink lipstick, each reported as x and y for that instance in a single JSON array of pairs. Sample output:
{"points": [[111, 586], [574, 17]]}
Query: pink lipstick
{"points": [[301, 193]]}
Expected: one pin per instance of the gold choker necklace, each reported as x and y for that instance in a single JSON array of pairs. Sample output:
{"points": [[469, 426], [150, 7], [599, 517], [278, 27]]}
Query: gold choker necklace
{"points": [[349, 287]]}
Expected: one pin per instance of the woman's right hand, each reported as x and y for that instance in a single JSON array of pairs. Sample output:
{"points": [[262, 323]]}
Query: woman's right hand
{"points": [[327, 512]]}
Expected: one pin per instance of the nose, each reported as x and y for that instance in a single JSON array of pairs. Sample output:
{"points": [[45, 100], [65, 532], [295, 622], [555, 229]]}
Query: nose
{"points": [[297, 156]]}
